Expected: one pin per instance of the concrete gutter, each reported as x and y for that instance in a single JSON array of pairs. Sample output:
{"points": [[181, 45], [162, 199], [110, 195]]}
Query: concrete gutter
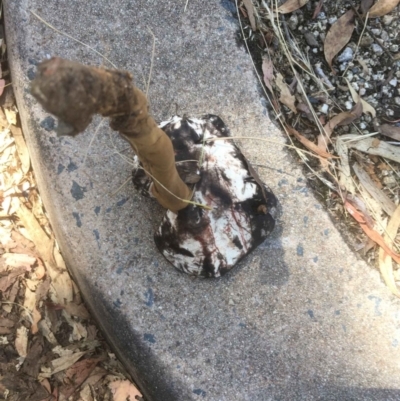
{"points": [[302, 318]]}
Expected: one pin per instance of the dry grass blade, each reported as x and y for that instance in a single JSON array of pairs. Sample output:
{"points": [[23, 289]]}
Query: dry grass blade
{"points": [[382, 7], [385, 262], [338, 36]]}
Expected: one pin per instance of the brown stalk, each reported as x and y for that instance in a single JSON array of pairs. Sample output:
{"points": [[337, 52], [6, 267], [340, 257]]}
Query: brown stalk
{"points": [[75, 93]]}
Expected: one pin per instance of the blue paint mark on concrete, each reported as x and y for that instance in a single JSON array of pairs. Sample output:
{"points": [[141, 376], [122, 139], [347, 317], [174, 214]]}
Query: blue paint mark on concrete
{"points": [[119, 270], [199, 391], [326, 232], [117, 303], [149, 297], [97, 236], [317, 206], [122, 201], [305, 221], [344, 328], [337, 312], [377, 303], [282, 182], [49, 123], [242, 325], [60, 169], [300, 250], [315, 259], [108, 210], [71, 166], [149, 338], [77, 218], [395, 343], [97, 210], [310, 313], [77, 191], [31, 74]]}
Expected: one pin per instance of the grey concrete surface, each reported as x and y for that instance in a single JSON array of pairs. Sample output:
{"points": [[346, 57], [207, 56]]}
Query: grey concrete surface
{"points": [[302, 318]]}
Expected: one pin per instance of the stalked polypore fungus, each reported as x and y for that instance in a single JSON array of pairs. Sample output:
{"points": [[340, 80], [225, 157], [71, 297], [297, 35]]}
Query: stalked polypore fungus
{"points": [[218, 208]]}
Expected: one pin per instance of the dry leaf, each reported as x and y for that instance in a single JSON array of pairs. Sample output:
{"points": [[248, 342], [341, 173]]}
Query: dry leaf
{"points": [[2, 85], [383, 200], [123, 390], [291, 5], [390, 131], [365, 6], [250, 11], [64, 362], [374, 235], [385, 263], [30, 304], [11, 116], [382, 7], [21, 148], [268, 72], [374, 146], [286, 97], [366, 107], [21, 341], [318, 9], [307, 143], [17, 260], [345, 178], [338, 36]]}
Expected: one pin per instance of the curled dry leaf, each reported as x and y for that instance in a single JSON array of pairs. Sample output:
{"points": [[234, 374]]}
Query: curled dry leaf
{"points": [[307, 143], [291, 5], [338, 36], [382, 7], [385, 262], [268, 72], [250, 11], [366, 107], [286, 97]]}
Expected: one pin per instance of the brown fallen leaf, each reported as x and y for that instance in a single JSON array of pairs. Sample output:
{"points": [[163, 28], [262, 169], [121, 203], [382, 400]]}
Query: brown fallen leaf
{"points": [[374, 146], [30, 304], [21, 148], [64, 362], [11, 278], [21, 341], [385, 262], [250, 11], [390, 131], [17, 260], [374, 235], [318, 9], [123, 390], [268, 72], [77, 374], [365, 6], [338, 36], [291, 5], [382, 7], [286, 97], [307, 143]]}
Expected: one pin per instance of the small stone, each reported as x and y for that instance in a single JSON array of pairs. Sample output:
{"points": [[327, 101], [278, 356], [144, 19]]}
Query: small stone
{"points": [[376, 31], [321, 16], [389, 112], [376, 48], [384, 36], [363, 125], [231, 302], [293, 22], [393, 82], [310, 39], [390, 181], [346, 55], [350, 77], [362, 92], [332, 20], [397, 100], [387, 19], [366, 41], [394, 48], [348, 105], [324, 108]]}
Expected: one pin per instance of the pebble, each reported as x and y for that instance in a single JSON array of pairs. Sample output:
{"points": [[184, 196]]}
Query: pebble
{"points": [[310, 39], [397, 100], [384, 36], [348, 105], [393, 82], [394, 48], [324, 108], [366, 41], [376, 48], [293, 22], [346, 55], [362, 92], [363, 125], [387, 19], [332, 20]]}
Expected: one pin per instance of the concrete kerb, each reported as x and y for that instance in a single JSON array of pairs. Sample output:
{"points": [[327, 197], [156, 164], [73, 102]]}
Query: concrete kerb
{"points": [[300, 319]]}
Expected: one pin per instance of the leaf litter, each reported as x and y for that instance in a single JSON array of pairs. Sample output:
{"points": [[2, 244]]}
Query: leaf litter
{"points": [[50, 347], [332, 70]]}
